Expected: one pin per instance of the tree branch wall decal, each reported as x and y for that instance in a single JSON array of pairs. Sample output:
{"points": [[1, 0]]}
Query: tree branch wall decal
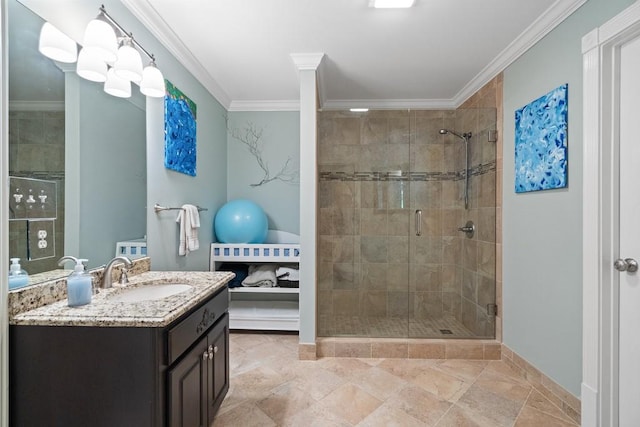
{"points": [[251, 137]]}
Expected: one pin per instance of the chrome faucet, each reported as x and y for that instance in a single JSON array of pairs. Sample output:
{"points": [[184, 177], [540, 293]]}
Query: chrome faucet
{"points": [[106, 278]]}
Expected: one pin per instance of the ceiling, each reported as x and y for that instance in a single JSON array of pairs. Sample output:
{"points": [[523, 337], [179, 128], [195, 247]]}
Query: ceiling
{"points": [[434, 55]]}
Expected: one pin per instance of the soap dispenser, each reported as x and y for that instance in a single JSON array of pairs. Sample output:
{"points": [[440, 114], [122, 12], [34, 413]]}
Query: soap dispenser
{"points": [[17, 276], [79, 285]]}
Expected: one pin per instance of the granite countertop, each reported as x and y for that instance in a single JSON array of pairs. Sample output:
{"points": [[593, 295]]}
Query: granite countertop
{"points": [[104, 312]]}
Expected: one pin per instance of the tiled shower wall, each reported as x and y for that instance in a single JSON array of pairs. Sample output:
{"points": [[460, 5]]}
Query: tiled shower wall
{"points": [[376, 277], [36, 150]]}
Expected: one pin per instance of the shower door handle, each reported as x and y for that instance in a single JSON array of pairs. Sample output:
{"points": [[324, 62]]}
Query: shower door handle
{"points": [[418, 222]]}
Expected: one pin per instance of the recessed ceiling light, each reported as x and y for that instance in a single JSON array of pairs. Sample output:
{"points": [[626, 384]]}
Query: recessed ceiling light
{"points": [[391, 4], [358, 110]]}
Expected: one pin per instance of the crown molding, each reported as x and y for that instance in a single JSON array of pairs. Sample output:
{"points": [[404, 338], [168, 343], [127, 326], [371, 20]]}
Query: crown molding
{"points": [[542, 26], [389, 104], [284, 105], [36, 105], [150, 18], [307, 61]]}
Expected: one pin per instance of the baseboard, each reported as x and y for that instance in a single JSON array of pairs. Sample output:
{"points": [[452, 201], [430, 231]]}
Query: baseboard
{"points": [[563, 399], [307, 352]]}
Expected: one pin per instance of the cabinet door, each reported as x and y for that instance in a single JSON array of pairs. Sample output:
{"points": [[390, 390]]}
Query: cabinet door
{"points": [[188, 389], [218, 380]]}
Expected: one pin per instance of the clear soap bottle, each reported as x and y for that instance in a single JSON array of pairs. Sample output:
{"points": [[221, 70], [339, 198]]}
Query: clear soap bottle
{"points": [[17, 276], [79, 285]]}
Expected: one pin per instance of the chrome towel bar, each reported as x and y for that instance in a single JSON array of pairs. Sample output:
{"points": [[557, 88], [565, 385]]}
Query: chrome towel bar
{"points": [[157, 208]]}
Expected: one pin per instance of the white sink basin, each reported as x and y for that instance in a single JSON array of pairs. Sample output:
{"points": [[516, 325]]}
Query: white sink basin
{"points": [[150, 292]]}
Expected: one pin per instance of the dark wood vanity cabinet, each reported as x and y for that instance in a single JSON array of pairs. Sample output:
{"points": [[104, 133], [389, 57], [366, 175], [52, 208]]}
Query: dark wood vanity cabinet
{"points": [[113, 376], [198, 383]]}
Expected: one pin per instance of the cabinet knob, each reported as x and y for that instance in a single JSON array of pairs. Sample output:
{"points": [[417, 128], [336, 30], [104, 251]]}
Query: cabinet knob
{"points": [[204, 355], [215, 349], [210, 351]]}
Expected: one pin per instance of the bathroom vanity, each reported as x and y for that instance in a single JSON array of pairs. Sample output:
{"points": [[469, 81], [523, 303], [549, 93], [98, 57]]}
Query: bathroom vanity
{"points": [[123, 361]]}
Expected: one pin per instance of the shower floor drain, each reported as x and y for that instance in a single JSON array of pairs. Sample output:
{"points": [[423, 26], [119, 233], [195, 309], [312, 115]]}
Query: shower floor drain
{"points": [[446, 332]]}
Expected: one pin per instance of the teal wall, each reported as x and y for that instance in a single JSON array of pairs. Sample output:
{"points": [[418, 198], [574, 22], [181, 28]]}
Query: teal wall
{"points": [[280, 140], [542, 231]]}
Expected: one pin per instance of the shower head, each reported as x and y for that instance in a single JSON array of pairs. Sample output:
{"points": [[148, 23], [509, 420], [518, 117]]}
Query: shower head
{"points": [[463, 136]]}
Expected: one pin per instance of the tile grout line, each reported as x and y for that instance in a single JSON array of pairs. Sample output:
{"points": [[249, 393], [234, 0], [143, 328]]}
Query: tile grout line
{"points": [[524, 403], [462, 394]]}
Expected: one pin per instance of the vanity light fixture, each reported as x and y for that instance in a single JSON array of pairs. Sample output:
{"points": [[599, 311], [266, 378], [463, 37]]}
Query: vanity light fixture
{"points": [[116, 85], [391, 4], [111, 55], [101, 39], [91, 67], [56, 45], [129, 63], [152, 83]]}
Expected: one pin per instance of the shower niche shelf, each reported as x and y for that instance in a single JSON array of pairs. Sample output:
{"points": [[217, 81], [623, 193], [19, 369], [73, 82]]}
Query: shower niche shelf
{"points": [[259, 308]]}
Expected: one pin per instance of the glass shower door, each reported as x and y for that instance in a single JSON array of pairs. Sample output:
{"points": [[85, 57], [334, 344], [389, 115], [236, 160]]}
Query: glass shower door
{"points": [[363, 223], [452, 273]]}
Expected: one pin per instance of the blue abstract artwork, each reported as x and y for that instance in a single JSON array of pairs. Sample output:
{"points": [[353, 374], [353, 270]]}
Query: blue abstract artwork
{"points": [[179, 131], [541, 143]]}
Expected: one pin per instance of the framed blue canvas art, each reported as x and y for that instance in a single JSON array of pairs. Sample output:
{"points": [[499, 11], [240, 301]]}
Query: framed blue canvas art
{"points": [[541, 143], [179, 131]]}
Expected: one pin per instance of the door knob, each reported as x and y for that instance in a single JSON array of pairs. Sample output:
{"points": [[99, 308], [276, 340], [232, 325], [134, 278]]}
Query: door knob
{"points": [[627, 264]]}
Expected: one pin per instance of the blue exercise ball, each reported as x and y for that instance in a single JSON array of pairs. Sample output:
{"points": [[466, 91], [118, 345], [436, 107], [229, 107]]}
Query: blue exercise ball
{"points": [[241, 221]]}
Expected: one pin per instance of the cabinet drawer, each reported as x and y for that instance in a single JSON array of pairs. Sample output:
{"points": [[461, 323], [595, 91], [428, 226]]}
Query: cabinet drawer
{"points": [[185, 333]]}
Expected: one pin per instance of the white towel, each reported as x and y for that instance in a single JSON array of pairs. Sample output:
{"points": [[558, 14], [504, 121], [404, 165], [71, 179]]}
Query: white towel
{"points": [[189, 220], [288, 272], [262, 275]]}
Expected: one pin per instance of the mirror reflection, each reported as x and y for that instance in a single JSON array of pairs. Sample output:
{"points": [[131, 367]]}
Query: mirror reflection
{"points": [[66, 130]]}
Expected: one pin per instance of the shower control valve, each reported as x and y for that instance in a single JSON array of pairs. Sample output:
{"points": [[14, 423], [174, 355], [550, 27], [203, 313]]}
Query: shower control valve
{"points": [[468, 229]]}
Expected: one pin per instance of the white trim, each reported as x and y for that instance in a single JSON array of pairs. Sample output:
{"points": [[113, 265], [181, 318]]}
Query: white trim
{"points": [[150, 18], [390, 104], [308, 199], [307, 61], [600, 223], [276, 105]]}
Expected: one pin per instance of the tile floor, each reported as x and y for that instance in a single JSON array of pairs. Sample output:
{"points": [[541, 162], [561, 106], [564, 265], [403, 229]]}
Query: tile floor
{"points": [[271, 387]]}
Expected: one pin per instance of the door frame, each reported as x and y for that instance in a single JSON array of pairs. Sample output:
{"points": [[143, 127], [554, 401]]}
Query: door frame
{"points": [[601, 64]]}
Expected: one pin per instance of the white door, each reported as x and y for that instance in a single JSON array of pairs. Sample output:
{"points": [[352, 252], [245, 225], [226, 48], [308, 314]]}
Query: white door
{"points": [[629, 285]]}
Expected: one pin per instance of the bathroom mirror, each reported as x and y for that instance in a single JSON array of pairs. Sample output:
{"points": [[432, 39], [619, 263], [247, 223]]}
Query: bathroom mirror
{"points": [[66, 129]]}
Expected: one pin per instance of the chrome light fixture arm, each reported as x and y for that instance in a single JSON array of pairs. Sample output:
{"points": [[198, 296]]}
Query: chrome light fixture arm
{"points": [[129, 35]]}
